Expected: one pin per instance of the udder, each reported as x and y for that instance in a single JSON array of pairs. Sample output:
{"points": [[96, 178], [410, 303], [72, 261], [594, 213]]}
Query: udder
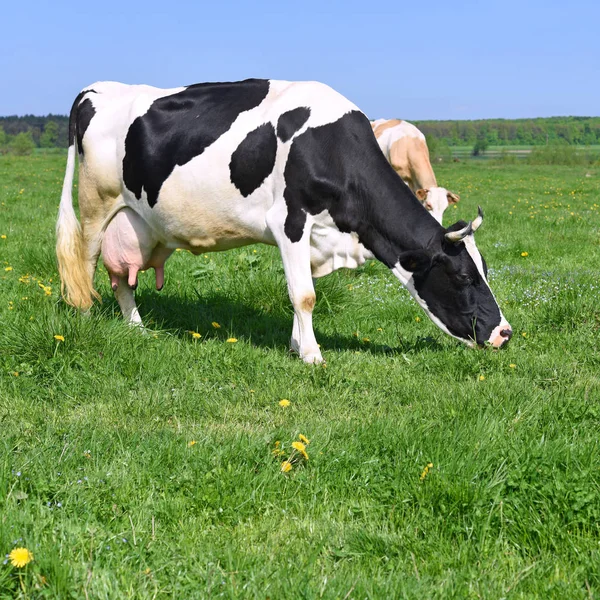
{"points": [[130, 246]]}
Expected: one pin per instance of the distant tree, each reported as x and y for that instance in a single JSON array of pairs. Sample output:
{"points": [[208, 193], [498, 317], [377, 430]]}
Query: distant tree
{"points": [[481, 145], [22, 144], [49, 138], [2, 137]]}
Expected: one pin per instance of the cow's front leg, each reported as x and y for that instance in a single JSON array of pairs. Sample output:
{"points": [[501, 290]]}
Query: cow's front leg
{"points": [[296, 264]]}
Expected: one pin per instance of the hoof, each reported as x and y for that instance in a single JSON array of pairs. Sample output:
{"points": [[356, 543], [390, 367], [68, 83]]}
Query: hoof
{"points": [[312, 358], [115, 286]]}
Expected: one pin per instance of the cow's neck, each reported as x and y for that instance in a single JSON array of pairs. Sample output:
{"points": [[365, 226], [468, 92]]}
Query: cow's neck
{"points": [[394, 221]]}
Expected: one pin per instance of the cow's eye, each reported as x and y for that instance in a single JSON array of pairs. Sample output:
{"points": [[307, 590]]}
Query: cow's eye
{"points": [[463, 279]]}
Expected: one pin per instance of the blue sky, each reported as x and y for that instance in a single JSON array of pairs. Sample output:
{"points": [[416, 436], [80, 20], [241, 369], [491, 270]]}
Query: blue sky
{"points": [[416, 60]]}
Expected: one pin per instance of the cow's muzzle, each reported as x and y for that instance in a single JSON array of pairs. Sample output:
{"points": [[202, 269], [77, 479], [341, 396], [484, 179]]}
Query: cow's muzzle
{"points": [[501, 335]]}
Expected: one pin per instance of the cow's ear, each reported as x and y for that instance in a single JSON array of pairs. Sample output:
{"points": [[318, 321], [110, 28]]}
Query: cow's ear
{"points": [[421, 194], [415, 260], [452, 197]]}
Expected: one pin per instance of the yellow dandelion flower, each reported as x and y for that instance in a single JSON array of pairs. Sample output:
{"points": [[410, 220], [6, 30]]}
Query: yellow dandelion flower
{"points": [[215, 325], [16, 373], [231, 340], [301, 448], [418, 319], [481, 377], [192, 443], [8, 268], [304, 439], [512, 366], [195, 335], [524, 254], [284, 402], [524, 334], [366, 340], [19, 557], [60, 338], [3, 237], [379, 329], [426, 471], [286, 466]]}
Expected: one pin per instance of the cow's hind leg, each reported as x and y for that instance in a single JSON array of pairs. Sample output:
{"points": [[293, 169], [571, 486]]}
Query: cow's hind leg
{"points": [[96, 209], [296, 264], [126, 299]]}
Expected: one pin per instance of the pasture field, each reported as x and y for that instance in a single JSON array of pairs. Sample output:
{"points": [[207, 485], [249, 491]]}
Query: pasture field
{"points": [[142, 466]]}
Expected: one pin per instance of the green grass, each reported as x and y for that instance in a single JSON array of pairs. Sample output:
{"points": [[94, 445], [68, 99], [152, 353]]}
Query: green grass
{"points": [[99, 481]]}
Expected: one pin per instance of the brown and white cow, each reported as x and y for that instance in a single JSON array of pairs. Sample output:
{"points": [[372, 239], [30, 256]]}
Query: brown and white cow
{"points": [[406, 150], [214, 166]]}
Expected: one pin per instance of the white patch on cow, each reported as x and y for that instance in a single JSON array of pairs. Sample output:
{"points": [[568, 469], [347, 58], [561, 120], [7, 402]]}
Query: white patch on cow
{"points": [[331, 249], [437, 202], [474, 253], [406, 278], [393, 134]]}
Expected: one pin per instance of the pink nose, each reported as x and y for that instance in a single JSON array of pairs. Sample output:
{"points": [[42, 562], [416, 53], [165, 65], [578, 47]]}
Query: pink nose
{"points": [[502, 338]]}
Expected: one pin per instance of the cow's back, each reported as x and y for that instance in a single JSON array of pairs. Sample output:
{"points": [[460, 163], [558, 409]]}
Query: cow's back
{"points": [[201, 164]]}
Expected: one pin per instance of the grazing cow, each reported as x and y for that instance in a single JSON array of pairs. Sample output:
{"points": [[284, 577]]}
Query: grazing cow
{"points": [[214, 166], [406, 150]]}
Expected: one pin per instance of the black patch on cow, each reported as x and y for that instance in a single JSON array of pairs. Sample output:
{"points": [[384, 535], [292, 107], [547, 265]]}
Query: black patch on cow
{"points": [[79, 118], [291, 121], [339, 167], [179, 127], [254, 159]]}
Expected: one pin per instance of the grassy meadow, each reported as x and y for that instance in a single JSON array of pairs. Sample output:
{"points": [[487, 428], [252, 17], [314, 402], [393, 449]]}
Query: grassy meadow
{"points": [[149, 466]]}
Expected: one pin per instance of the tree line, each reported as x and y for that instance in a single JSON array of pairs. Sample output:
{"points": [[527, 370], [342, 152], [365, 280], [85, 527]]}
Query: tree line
{"points": [[22, 135], [580, 131]]}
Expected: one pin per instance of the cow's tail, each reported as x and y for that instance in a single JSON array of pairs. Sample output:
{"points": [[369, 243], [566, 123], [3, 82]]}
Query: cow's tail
{"points": [[77, 284]]}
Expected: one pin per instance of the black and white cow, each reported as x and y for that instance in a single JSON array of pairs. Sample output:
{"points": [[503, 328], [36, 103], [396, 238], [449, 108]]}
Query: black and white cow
{"points": [[215, 166]]}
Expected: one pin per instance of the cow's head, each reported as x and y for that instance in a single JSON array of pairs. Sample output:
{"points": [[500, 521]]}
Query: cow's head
{"points": [[436, 200], [449, 280]]}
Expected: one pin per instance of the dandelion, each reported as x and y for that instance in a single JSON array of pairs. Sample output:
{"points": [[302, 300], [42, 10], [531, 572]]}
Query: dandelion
{"points": [[215, 325], [366, 340], [300, 447], [284, 402], [3, 237], [16, 373], [418, 319], [19, 557], [512, 366], [192, 443], [379, 329], [8, 268], [195, 335], [304, 439], [426, 471], [524, 334], [286, 466], [277, 451], [524, 254], [231, 340], [481, 377], [59, 338]]}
